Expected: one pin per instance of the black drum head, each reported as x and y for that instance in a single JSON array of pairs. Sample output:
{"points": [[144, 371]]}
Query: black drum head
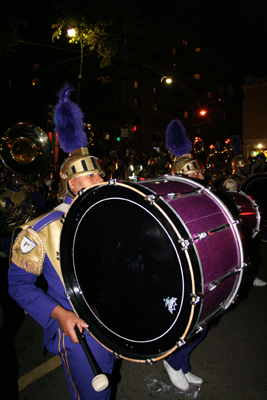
{"points": [[256, 187], [125, 272]]}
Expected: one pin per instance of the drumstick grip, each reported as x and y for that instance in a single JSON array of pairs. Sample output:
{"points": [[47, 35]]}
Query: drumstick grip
{"points": [[100, 381]]}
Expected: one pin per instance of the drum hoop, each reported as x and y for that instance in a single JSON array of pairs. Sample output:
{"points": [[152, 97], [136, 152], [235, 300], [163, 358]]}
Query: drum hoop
{"points": [[136, 188]]}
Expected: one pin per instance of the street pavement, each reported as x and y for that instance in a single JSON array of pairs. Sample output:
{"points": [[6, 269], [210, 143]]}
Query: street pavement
{"points": [[232, 360]]}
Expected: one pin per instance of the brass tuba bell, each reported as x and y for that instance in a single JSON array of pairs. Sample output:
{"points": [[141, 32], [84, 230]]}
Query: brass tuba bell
{"points": [[25, 149]]}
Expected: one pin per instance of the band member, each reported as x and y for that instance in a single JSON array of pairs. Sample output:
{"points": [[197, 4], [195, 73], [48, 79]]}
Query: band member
{"points": [[185, 162], [240, 166], [240, 171], [35, 252], [177, 364], [19, 200]]}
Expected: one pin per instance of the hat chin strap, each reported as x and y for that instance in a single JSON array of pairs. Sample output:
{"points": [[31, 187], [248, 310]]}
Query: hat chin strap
{"points": [[69, 190]]}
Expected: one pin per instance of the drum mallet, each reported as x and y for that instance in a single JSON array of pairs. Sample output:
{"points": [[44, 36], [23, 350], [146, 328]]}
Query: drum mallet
{"points": [[100, 381]]}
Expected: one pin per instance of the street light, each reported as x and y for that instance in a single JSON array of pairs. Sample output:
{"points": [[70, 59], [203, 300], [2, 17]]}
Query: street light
{"points": [[72, 33], [168, 81]]}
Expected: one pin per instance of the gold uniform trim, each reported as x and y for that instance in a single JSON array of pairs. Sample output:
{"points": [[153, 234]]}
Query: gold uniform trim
{"points": [[33, 260]]}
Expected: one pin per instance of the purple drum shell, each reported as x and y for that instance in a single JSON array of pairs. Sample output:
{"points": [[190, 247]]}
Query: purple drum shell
{"points": [[218, 253]]}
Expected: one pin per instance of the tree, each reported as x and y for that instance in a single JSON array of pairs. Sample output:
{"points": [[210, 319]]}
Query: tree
{"points": [[130, 29], [9, 27]]}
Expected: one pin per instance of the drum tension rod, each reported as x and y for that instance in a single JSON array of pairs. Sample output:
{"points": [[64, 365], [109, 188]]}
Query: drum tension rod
{"points": [[58, 255], [196, 298], [211, 232]]}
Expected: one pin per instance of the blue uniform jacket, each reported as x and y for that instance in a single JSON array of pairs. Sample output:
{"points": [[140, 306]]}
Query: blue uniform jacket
{"points": [[34, 252]]}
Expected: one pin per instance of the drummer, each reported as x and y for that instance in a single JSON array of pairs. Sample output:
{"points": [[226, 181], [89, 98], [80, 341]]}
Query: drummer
{"points": [[35, 252], [177, 364], [240, 166]]}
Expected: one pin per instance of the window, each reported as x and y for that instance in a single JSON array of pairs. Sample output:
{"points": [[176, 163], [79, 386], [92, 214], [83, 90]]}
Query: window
{"points": [[154, 106], [186, 114], [136, 84], [209, 94], [173, 51], [106, 135], [184, 41], [35, 66], [197, 49], [197, 76], [155, 90], [174, 65], [35, 81]]}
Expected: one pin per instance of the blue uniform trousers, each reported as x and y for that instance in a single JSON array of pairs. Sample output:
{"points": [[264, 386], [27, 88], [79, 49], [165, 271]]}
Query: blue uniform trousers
{"points": [[77, 369], [180, 357]]}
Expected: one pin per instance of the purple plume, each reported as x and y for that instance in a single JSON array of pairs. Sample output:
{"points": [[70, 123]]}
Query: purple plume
{"points": [[177, 140], [236, 144], [68, 119]]}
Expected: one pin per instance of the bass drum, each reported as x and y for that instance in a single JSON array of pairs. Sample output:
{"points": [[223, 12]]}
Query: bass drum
{"points": [[248, 210], [146, 265], [256, 186]]}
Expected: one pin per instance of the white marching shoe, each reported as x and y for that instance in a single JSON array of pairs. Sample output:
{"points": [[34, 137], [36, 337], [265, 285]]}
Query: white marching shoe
{"points": [[191, 378], [177, 378], [258, 282]]}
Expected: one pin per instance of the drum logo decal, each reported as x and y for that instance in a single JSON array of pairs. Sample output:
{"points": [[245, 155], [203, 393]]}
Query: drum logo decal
{"points": [[27, 245], [170, 303]]}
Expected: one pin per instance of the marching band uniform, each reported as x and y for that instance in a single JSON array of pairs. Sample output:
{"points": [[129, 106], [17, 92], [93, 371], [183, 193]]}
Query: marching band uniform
{"points": [[240, 167], [234, 181], [35, 251]]}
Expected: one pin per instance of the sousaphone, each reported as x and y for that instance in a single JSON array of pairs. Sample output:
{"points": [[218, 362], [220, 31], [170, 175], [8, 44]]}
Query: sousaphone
{"points": [[25, 149]]}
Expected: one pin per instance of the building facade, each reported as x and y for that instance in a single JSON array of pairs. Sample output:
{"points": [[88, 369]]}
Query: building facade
{"points": [[255, 115]]}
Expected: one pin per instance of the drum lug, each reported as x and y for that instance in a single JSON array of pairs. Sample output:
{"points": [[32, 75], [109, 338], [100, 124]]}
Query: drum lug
{"points": [[116, 355], [181, 342], [149, 361], [62, 220], [235, 222], [80, 192], [200, 328], [58, 255], [112, 182], [151, 198], [174, 196], [185, 243], [213, 285], [196, 298]]}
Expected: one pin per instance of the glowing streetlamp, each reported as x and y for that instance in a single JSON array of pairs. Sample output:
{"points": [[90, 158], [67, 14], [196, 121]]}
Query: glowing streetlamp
{"points": [[168, 80]]}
